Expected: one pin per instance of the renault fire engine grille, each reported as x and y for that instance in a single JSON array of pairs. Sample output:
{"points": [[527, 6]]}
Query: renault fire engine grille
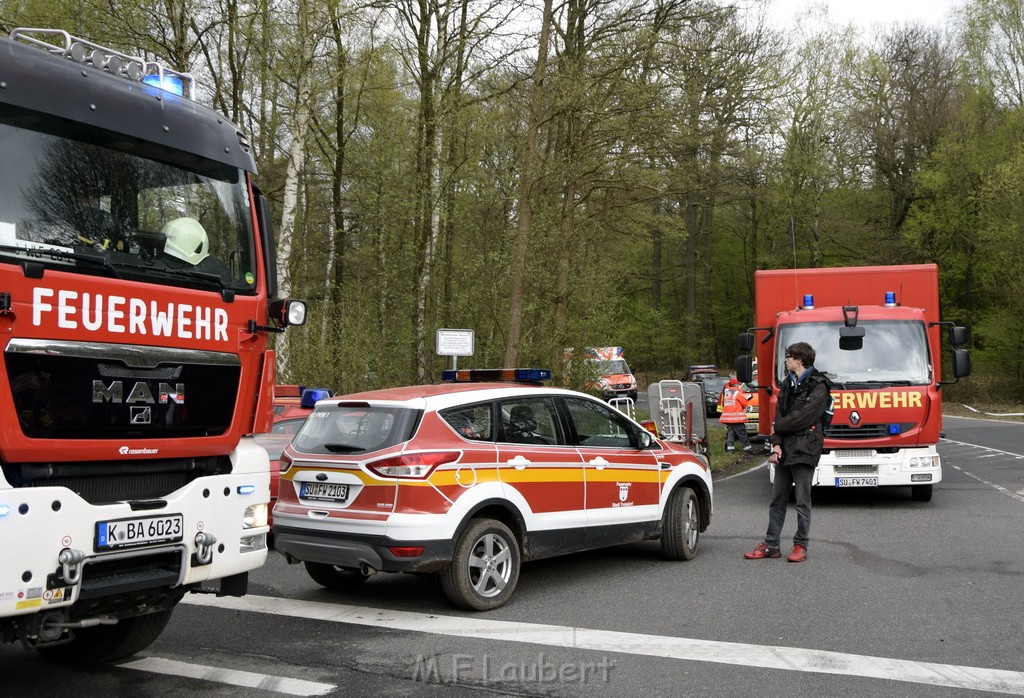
{"points": [[865, 431], [107, 482]]}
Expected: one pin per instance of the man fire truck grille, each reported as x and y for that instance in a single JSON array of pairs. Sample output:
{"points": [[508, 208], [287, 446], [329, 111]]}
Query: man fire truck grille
{"points": [[103, 483], [96, 391]]}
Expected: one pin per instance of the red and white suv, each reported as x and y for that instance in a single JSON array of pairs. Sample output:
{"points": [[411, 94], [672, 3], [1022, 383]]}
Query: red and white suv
{"points": [[469, 479]]}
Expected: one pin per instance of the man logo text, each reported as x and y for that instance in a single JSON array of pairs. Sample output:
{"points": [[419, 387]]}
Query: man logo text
{"points": [[140, 393]]}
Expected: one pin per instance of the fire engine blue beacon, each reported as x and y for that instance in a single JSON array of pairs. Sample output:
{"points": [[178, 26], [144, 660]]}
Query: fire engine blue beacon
{"points": [[311, 395], [169, 83], [4, 511], [246, 489], [894, 429], [808, 301], [890, 299]]}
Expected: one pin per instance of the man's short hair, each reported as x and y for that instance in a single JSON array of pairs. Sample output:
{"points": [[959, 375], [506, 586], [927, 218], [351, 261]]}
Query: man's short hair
{"points": [[802, 352]]}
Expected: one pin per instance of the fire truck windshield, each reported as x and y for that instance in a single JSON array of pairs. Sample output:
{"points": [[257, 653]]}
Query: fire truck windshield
{"points": [[892, 352], [82, 200]]}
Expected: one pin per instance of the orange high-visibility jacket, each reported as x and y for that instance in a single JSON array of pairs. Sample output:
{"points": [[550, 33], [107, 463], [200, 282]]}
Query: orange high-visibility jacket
{"points": [[734, 405]]}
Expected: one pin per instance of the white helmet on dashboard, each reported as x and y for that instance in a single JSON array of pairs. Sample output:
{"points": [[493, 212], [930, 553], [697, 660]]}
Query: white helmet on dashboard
{"points": [[186, 240]]}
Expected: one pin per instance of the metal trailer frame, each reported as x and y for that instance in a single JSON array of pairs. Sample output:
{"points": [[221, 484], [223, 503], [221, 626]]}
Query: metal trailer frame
{"points": [[678, 411]]}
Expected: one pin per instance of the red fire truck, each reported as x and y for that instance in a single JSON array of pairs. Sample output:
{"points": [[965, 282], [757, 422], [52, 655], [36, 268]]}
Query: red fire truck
{"points": [[137, 296], [876, 333]]}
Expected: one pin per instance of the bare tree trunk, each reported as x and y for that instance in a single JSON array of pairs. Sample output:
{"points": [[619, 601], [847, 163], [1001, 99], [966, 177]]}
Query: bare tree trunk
{"points": [[335, 273], [656, 250], [691, 217], [562, 282], [525, 208], [293, 172], [428, 222], [704, 291]]}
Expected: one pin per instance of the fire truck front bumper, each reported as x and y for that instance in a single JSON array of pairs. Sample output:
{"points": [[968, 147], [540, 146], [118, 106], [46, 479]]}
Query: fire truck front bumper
{"points": [[871, 468]]}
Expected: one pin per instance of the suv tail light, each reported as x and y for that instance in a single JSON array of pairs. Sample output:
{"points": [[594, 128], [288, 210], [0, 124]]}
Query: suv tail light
{"points": [[284, 462], [412, 465]]}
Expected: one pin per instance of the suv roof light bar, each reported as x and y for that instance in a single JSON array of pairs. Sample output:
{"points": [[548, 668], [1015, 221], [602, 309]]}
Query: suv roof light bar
{"points": [[518, 375]]}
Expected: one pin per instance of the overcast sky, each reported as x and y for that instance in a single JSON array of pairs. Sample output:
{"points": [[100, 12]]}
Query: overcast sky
{"points": [[865, 13]]}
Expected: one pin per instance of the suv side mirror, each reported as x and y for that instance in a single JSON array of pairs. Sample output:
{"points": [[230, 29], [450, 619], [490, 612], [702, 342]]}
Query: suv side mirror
{"points": [[644, 439]]}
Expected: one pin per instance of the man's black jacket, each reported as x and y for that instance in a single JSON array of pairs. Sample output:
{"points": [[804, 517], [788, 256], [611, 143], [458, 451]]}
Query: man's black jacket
{"points": [[798, 411]]}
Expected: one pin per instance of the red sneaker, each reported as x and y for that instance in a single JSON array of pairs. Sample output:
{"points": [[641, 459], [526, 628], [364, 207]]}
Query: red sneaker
{"points": [[799, 554], [761, 551]]}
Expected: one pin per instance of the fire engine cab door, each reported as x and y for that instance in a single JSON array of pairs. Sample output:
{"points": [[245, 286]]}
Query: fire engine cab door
{"points": [[542, 473], [623, 483]]}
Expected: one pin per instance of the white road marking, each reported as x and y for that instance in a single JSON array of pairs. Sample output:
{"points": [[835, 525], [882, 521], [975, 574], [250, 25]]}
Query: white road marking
{"points": [[991, 414], [786, 658], [248, 679], [992, 452], [759, 466]]}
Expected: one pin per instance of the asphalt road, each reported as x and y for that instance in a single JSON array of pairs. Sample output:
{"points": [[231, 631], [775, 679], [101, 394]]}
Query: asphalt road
{"points": [[898, 598]]}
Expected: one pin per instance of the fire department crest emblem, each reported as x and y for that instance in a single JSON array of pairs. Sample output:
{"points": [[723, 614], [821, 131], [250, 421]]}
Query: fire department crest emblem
{"points": [[624, 491]]}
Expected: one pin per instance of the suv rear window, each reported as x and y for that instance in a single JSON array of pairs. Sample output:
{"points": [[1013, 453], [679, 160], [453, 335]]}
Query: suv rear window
{"points": [[355, 428]]}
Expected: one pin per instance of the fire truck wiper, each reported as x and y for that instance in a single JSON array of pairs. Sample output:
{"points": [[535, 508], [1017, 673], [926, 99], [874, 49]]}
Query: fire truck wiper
{"points": [[192, 274], [849, 384], [43, 252]]}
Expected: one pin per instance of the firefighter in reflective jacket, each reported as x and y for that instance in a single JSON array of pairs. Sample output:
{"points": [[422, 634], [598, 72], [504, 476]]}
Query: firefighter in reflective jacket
{"points": [[734, 415]]}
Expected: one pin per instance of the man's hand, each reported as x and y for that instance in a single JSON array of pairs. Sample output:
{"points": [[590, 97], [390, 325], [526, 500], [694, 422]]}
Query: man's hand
{"points": [[776, 454]]}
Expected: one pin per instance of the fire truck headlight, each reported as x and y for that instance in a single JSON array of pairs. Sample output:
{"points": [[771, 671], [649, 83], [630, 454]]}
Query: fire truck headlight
{"points": [[255, 516], [924, 462]]}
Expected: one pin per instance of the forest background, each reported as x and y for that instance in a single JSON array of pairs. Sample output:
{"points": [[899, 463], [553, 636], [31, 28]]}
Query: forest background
{"points": [[599, 172]]}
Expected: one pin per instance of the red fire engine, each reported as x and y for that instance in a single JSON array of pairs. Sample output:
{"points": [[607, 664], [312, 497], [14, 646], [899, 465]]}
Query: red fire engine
{"points": [[136, 300], [876, 333]]}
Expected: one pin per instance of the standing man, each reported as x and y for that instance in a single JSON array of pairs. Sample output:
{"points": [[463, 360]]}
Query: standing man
{"points": [[734, 415], [797, 438]]}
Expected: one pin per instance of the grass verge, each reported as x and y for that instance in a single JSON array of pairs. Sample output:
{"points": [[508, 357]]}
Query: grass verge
{"points": [[725, 463]]}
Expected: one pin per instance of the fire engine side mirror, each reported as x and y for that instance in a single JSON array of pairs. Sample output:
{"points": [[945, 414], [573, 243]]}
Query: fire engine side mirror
{"points": [[745, 341], [959, 336], [266, 235], [961, 362], [744, 368]]}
